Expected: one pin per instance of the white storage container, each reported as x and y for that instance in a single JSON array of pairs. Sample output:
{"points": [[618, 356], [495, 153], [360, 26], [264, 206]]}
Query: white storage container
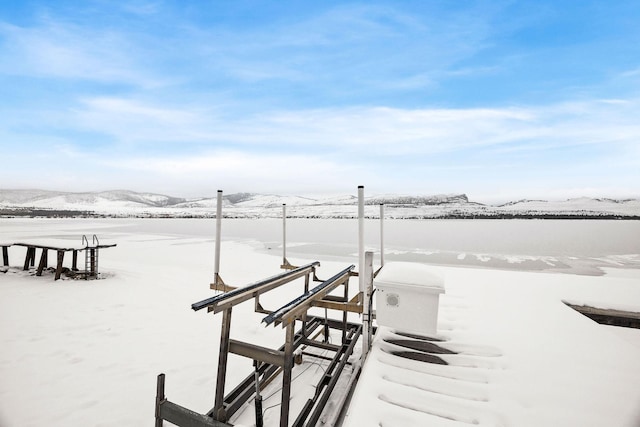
{"points": [[407, 297]]}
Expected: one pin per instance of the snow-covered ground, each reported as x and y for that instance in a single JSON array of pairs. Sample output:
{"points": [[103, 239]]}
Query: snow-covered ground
{"points": [[525, 358], [87, 353]]}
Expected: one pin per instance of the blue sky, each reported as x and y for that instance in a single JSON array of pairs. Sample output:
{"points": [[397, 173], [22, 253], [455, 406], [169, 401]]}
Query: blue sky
{"points": [[496, 99]]}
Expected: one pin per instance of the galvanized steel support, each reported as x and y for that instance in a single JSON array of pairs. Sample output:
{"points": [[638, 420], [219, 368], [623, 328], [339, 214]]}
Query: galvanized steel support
{"points": [[367, 306], [159, 399], [286, 375], [219, 412]]}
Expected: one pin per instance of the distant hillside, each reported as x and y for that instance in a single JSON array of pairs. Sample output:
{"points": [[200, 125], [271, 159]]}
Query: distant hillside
{"points": [[56, 199], [439, 199], [124, 203]]}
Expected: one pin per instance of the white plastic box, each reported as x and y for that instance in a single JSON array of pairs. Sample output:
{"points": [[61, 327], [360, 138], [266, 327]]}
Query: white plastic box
{"points": [[407, 297]]}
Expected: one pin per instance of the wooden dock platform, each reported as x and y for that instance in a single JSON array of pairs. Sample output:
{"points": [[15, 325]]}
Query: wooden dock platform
{"points": [[607, 316], [91, 256]]}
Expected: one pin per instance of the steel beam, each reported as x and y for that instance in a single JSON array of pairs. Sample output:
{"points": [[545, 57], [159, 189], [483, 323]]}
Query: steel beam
{"points": [[256, 352], [184, 417], [290, 311], [286, 375], [219, 410], [341, 306], [237, 296]]}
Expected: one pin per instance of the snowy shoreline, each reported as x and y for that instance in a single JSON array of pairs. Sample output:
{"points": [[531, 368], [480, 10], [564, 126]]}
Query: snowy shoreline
{"points": [[129, 204], [413, 213]]}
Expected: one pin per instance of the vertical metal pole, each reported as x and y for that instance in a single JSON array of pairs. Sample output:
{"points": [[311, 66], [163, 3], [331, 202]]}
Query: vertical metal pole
{"points": [[216, 266], [381, 234], [286, 375], [219, 412], [344, 313], [326, 327], [361, 238], [366, 308], [159, 399], [306, 289], [258, 399], [284, 234]]}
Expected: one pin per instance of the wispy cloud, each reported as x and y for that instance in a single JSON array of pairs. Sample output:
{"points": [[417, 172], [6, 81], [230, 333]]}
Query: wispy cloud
{"points": [[388, 131], [70, 51], [344, 51]]}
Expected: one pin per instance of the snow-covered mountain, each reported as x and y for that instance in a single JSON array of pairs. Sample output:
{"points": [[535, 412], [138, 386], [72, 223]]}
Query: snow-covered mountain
{"points": [[65, 200], [439, 199], [253, 205]]}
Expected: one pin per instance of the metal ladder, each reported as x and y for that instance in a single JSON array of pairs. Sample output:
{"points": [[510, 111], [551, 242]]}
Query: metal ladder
{"points": [[91, 257]]}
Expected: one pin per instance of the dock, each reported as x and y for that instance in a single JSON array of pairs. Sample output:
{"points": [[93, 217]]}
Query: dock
{"points": [[91, 256]]}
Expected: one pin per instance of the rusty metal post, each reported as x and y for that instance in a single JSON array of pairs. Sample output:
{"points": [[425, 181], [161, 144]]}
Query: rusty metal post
{"points": [[159, 399], [286, 374], [219, 412]]}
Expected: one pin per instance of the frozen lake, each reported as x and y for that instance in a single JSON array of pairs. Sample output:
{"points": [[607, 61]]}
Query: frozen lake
{"points": [[580, 238], [571, 246]]}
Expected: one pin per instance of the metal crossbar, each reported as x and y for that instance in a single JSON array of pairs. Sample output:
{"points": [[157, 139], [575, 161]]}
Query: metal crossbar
{"points": [[239, 295], [288, 311]]}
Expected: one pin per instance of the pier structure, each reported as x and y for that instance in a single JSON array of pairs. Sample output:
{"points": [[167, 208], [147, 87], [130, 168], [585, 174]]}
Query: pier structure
{"points": [[91, 256]]}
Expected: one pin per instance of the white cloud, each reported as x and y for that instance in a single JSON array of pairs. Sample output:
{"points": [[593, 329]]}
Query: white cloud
{"points": [[631, 73], [378, 131], [570, 148], [68, 51], [242, 171]]}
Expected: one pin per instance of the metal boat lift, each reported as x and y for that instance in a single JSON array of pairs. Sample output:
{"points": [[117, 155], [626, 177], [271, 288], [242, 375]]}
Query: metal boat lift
{"points": [[268, 362]]}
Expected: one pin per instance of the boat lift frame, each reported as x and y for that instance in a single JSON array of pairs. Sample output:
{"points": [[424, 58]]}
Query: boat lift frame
{"points": [[271, 362]]}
